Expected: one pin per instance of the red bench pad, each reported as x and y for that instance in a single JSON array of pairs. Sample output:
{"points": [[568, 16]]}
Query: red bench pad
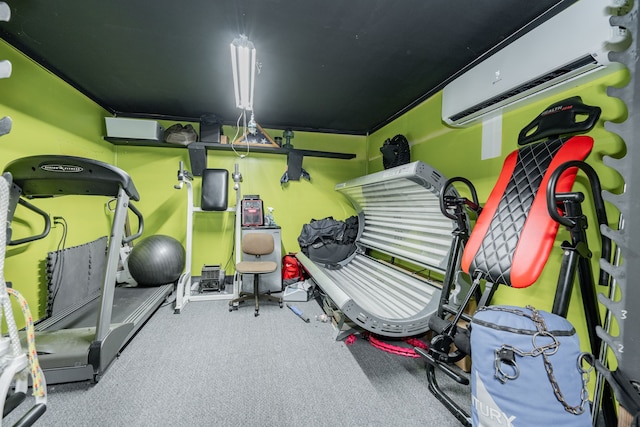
{"points": [[513, 236]]}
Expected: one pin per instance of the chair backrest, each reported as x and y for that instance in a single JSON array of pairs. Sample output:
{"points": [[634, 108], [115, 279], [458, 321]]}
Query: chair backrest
{"points": [[257, 243], [514, 234]]}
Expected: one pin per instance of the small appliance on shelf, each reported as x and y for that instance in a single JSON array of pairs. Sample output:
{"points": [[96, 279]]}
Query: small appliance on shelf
{"points": [[252, 211]]}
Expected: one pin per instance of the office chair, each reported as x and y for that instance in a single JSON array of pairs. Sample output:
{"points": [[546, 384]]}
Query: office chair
{"points": [[256, 244]]}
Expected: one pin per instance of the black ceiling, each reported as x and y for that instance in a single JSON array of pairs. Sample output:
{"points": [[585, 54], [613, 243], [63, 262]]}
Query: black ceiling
{"points": [[345, 66]]}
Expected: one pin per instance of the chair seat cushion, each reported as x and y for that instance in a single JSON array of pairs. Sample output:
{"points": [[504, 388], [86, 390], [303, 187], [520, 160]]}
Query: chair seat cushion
{"points": [[256, 267]]}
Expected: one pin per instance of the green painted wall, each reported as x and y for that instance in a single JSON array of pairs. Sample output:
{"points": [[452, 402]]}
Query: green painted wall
{"points": [[457, 152], [155, 173], [49, 117]]}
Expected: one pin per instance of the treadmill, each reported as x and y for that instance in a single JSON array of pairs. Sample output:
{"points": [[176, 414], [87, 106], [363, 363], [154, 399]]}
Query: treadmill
{"points": [[80, 343]]}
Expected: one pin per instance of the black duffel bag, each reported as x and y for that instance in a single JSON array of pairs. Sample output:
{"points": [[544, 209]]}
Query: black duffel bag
{"points": [[329, 241]]}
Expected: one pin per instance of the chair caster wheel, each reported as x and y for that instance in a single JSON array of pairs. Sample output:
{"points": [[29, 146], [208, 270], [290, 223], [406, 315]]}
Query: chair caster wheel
{"points": [[256, 313], [281, 305]]}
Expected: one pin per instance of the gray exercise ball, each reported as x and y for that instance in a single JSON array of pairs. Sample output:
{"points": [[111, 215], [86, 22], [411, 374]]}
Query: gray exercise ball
{"points": [[156, 260]]}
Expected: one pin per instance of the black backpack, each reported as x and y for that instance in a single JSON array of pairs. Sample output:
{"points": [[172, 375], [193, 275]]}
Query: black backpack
{"points": [[395, 152]]}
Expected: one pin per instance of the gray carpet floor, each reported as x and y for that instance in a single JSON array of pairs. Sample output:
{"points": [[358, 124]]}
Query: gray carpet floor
{"points": [[211, 367]]}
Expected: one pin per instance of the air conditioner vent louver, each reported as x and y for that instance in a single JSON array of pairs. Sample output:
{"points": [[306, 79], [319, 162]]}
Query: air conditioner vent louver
{"points": [[552, 75]]}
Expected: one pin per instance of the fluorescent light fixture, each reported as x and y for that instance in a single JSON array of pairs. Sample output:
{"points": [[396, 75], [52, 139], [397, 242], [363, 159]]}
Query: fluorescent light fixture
{"points": [[243, 63]]}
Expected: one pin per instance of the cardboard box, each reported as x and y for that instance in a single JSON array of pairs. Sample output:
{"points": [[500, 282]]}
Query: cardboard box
{"points": [[134, 128]]}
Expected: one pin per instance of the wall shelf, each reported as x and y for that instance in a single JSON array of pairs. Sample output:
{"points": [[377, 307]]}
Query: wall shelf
{"points": [[198, 150]]}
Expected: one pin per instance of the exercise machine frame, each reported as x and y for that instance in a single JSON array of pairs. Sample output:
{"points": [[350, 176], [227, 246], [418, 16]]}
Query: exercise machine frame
{"points": [[74, 345], [184, 291], [519, 183]]}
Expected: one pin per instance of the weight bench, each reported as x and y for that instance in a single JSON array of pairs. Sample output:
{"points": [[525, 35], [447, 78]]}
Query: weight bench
{"points": [[401, 231]]}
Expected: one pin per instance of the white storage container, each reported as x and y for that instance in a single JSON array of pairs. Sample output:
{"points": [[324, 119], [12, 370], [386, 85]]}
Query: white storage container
{"points": [[134, 128]]}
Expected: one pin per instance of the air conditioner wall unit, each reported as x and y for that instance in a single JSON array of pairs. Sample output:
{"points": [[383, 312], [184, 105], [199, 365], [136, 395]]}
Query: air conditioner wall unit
{"points": [[568, 49]]}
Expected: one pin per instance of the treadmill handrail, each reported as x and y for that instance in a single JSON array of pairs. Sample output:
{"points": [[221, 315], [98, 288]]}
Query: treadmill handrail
{"points": [[45, 231], [57, 175], [138, 233]]}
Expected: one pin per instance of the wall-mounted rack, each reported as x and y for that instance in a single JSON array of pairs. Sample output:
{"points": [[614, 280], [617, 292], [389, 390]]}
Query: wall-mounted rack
{"points": [[198, 150]]}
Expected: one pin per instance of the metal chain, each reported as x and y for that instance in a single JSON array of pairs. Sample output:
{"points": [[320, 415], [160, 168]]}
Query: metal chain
{"points": [[546, 351]]}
